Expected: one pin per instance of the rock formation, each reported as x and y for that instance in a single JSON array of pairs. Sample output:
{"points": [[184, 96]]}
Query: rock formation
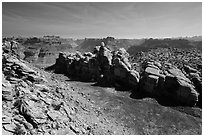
{"points": [[155, 79], [103, 66], [33, 102], [174, 84], [17, 80]]}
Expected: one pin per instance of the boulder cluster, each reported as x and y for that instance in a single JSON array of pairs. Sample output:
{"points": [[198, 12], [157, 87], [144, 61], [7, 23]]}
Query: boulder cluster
{"points": [[103, 65], [113, 68], [171, 83]]}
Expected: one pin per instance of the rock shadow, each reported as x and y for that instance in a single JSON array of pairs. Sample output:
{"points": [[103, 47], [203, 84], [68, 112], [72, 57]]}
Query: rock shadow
{"points": [[162, 100]]}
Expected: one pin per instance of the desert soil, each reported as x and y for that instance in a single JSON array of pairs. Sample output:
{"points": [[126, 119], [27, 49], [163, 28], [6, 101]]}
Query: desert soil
{"points": [[105, 110]]}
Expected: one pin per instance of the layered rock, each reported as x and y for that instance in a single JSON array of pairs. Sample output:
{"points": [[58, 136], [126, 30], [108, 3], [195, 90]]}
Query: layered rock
{"points": [[17, 78], [27, 101], [14, 68]]}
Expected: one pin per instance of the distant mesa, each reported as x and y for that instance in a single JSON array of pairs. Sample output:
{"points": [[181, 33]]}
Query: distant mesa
{"points": [[165, 43]]}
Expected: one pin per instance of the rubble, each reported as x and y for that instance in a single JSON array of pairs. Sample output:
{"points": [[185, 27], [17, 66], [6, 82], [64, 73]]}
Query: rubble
{"points": [[25, 96]]}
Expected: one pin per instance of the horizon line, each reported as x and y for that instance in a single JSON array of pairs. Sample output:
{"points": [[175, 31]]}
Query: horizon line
{"points": [[164, 37]]}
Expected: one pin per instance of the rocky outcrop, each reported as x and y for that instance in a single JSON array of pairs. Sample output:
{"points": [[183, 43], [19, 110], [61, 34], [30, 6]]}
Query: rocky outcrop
{"points": [[184, 62], [29, 105], [195, 76], [17, 78], [181, 86], [14, 68], [103, 66], [152, 80], [7, 93], [171, 83], [156, 79]]}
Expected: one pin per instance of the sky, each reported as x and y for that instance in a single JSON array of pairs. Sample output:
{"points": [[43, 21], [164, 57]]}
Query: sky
{"points": [[99, 20]]}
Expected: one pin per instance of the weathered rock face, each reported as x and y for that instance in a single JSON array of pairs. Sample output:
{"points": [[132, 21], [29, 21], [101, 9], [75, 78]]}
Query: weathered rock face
{"points": [[120, 69], [123, 71], [13, 48], [15, 68], [133, 79], [104, 58], [10, 46], [102, 65], [196, 79], [152, 80], [173, 84], [61, 63], [31, 104], [7, 93], [181, 87], [17, 78]]}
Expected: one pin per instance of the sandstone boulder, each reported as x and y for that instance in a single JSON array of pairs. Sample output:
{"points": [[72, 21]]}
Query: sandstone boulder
{"points": [[186, 93], [105, 56], [152, 81], [123, 56], [133, 79], [85, 75], [70, 66], [197, 82], [152, 70], [120, 69], [122, 53], [181, 87], [150, 84], [94, 70], [60, 65]]}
